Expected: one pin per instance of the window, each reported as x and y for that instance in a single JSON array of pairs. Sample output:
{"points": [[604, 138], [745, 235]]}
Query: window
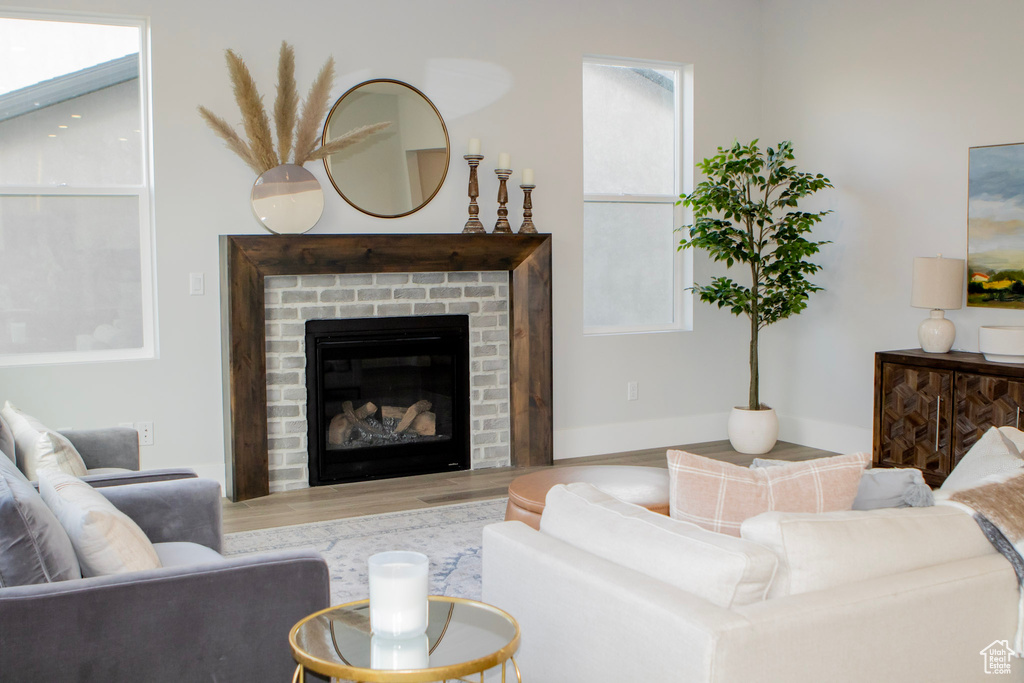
{"points": [[632, 143], [76, 265]]}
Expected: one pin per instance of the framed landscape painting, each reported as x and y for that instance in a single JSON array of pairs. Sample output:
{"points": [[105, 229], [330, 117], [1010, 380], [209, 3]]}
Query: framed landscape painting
{"points": [[995, 226]]}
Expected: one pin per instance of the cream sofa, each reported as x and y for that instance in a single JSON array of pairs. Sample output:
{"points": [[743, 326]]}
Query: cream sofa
{"points": [[608, 591]]}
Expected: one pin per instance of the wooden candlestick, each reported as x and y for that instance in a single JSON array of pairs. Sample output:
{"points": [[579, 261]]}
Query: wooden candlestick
{"points": [[473, 225], [502, 227], [527, 228]]}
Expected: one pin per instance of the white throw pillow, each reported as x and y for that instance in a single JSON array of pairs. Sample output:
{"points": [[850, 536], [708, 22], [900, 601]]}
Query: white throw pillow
{"points": [[819, 551], [722, 569], [1014, 435], [105, 539], [40, 448], [994, 453]]}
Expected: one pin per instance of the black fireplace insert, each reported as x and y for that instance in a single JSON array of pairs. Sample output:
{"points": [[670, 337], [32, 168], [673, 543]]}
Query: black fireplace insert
{"points": [[387, 397]]}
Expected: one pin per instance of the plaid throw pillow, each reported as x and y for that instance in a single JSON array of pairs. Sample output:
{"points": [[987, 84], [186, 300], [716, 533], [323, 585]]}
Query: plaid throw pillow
{"points": [[719, 495]]}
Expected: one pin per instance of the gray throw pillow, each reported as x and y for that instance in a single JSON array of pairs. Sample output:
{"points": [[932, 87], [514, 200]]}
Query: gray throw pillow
{"points": [[882, 487], [36, 549]]}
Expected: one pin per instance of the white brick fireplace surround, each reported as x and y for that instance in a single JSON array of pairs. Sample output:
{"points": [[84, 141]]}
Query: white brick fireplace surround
{"points": [[291, 300]]}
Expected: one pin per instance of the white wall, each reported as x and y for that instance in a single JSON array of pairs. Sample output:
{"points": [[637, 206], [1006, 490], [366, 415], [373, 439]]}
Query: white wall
{"points": [[506, 73], [884, 98]]}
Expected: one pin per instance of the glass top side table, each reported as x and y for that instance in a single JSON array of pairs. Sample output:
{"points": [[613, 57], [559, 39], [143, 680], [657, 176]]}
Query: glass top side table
{"points": [[464, 637]]}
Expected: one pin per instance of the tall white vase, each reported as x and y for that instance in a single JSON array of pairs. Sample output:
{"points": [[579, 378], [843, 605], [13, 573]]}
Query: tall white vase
{"points": [[753, 432]]}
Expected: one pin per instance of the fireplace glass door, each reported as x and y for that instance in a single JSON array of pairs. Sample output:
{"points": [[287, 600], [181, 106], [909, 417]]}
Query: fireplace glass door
{"points": [[387, 397]]}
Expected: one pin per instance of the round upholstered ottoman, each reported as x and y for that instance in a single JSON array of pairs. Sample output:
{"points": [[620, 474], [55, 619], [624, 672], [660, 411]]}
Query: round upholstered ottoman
{"points": [[645, 486]]}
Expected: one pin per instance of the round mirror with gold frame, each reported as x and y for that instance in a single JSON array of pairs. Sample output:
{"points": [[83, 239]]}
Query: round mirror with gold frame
{"points": [[399, 169]]}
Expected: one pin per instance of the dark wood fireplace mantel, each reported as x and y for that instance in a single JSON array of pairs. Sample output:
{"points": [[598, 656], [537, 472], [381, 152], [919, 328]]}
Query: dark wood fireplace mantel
{"points": [[247, 259]]}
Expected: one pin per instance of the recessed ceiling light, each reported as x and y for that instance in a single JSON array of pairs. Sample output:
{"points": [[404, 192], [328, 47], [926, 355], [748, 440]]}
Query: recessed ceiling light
{"points": [[62, 126], [52, 135], [76, 116], [123, 139]]}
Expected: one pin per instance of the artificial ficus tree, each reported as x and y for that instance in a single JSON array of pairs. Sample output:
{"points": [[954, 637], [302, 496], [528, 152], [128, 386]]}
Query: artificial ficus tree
{"points": [[746, 211]]}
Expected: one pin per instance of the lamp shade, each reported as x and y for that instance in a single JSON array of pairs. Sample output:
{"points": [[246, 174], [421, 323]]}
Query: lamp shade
{"points": [[938, 283]]}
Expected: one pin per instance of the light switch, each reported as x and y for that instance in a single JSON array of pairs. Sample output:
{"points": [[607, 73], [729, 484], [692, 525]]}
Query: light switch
{"points": [[196, 284]]}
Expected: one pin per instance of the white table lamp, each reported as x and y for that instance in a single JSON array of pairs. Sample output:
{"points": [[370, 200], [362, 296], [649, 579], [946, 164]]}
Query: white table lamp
{"points": [[938, 285]]}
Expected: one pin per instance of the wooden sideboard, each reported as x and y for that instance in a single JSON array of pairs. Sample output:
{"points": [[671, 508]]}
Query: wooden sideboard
{"points": [[930, 408]]}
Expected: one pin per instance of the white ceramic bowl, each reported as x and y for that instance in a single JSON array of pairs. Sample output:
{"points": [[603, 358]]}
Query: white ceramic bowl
{"points": [[1001, 344]]}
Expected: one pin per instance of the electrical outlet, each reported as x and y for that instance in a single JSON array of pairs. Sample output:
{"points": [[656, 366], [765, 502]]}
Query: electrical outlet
{"points": [[631, 391], [145, 430]]}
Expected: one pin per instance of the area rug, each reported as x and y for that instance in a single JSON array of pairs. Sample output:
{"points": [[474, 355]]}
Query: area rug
{"points": [[450, 535]]}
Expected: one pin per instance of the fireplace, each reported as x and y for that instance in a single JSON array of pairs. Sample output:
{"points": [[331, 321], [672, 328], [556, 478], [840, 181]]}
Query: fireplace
{"points": [[387, 397], [253, 364]]}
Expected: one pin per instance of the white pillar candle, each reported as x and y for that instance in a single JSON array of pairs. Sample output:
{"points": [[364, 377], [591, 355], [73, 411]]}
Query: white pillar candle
{"points": [[398, 593], [474, 146], [527, 176], [394, 654], [503, 161]]}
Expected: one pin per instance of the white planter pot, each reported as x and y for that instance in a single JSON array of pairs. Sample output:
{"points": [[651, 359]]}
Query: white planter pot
{"points": [[753, 432]]}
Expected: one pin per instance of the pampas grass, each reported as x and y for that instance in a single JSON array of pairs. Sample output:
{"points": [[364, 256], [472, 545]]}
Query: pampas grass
{"points": [[231, 138], [254, 116], [313, 111], [347, 140], [287, 102], [259, 153]]}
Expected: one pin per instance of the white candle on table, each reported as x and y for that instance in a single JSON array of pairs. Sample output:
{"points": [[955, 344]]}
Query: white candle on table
{"points": [[474, 146], [398, 593], [503, 161], [527, 176]]}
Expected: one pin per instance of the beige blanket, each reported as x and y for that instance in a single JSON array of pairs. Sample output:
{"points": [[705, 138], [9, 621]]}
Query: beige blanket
{"points": [[998, 508]]}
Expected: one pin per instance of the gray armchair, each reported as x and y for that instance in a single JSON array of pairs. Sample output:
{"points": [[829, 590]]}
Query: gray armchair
{"points": [[112, 458], [200, 617]]}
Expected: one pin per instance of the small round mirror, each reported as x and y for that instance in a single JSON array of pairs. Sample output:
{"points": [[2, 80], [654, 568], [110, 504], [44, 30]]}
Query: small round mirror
{"points": [[398, 170]]}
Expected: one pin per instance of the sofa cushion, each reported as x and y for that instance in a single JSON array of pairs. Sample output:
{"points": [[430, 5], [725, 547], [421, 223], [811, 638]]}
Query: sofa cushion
{"points": [[819, 551], [38, 447], [718, 495], [724, 570], [107, 471], [883, 487], [994, 453], [105, 539], [182, 554], [34, 548]]}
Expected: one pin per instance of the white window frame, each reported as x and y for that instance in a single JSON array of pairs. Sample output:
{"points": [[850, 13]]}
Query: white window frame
{"points": [[143, 191], [683, 261]]}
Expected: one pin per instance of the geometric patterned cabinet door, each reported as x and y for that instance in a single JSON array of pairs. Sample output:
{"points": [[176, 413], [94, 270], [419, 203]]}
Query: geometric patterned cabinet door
{"points": [[983, 401], [930, 408], [917, 412]]}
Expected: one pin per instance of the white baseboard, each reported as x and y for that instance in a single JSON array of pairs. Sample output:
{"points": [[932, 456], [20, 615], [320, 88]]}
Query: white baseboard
{"points": [[631, 436], [828, 436]]}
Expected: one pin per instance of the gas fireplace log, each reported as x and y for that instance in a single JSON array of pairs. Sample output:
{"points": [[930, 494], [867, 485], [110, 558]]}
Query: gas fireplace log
{"points": [[339, 429], [342, 423], [424, 424], [410, 415], [393, 412]]}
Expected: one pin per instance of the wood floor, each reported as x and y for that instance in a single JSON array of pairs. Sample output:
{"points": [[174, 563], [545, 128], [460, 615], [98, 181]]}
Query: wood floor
{"points": [[408, 493]]}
